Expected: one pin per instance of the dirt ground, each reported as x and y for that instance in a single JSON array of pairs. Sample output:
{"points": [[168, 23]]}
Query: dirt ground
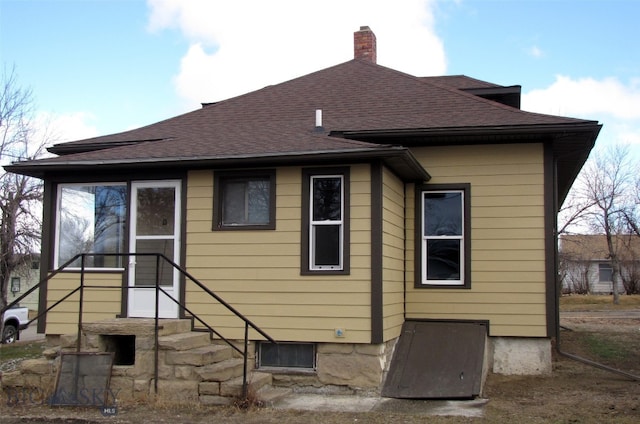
{"points": [[573, 393]]}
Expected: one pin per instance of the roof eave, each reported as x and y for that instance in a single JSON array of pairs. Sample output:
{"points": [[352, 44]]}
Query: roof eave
{"points": [[467, 135], [400, 159], [571, 142], [78, 147]]}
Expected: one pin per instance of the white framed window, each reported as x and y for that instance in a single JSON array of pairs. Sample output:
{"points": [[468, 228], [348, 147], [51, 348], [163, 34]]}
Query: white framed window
{"points": [[444, 251], [325, 221], [326, 229], [90, 218]]}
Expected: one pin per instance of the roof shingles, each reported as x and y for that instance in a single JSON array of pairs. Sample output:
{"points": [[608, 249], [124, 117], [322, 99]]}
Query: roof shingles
{"points": [[355, 96]]}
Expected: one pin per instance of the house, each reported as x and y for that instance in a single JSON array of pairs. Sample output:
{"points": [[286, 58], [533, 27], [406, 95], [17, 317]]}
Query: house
{"points": [[585, 263], [383, 228], [23, 279]]}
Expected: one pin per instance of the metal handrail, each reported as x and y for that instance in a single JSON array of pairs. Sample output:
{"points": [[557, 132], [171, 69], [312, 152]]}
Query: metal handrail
{"points": [[82, 256]]}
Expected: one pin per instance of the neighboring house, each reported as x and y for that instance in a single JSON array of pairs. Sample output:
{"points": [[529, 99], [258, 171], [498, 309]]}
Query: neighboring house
{"points": [[21, 281], [333, 210], [585, 264]]}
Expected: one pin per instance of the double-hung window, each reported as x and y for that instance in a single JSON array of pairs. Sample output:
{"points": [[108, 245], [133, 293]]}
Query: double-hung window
{"points": [[325, 221], [244, 200], [444, 251]]}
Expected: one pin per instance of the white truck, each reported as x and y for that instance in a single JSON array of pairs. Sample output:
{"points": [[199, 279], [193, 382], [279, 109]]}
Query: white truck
{"points": [[16, 319]]}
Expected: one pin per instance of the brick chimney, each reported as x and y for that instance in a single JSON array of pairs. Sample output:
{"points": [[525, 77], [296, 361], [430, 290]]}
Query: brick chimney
{"points": [[364, 44]]}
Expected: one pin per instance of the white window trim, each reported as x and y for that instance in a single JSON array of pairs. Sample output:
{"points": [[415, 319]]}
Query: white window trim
{"points": [[313, 224], [460, 281], [56, 246]]}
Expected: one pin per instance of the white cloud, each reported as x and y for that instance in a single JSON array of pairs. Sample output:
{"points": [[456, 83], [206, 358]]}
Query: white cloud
{"points": [[69, 126], [239, 46], [626, 132], [536, 52], [46, 129], [613, 103], [586, 97]]}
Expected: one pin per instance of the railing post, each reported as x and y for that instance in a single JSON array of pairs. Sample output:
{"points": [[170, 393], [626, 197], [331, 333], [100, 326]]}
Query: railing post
{"points": [[80, 304], [157, 323], [246, 354]]}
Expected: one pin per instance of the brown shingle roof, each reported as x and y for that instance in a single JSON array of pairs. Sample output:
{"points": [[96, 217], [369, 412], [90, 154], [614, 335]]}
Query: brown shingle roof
{"points": [[593, 247], [461, 82], [356, 95], [278, 121]]}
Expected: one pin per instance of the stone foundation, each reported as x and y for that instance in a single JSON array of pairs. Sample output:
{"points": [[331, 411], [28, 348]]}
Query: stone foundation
{"points": [[352, 365], [341, 368], [192, 368]]}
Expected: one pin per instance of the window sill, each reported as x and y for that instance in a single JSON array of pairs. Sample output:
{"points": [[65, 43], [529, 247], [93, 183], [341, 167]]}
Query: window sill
{"points": [[288, 371], [245, 227], [442, 286], [324, 272]]}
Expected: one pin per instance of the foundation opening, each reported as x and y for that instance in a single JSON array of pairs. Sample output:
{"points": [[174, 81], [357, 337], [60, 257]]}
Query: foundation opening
{"points": [[122, 346]]}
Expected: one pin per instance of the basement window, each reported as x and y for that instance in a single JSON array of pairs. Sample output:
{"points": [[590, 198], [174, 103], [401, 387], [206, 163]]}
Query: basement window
{"points": [[287, 355]]}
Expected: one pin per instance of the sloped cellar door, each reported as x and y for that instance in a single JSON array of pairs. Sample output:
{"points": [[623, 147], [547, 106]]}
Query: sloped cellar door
{"points": [[437, 360]]}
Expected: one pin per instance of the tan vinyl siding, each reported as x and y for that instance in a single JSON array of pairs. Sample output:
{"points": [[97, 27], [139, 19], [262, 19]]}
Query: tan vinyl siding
{"points": [[258, 272], [99, 303], [393, 235], [507, 238]]}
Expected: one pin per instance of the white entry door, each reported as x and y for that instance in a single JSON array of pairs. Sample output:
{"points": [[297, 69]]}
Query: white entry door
{"points": [[155, 228]]}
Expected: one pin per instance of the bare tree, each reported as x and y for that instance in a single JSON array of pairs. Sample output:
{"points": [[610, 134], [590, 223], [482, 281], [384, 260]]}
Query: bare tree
{"points": [[574, 273], [20, 196], [630, 274], [632, 217], [604, 201]]}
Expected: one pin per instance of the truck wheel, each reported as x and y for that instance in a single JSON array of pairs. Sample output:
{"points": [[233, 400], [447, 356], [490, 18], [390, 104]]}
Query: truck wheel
{"points": [[10, 334]]}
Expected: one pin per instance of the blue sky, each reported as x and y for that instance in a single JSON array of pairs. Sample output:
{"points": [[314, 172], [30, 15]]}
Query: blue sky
{"points": [[103, 66]]}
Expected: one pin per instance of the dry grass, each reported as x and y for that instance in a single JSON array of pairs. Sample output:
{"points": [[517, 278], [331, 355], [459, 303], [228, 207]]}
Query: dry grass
{"points": [[590, 302], [21, 350]]}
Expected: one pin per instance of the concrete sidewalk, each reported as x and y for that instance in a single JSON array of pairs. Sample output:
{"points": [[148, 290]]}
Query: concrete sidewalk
{"points": [[356, 403]]}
